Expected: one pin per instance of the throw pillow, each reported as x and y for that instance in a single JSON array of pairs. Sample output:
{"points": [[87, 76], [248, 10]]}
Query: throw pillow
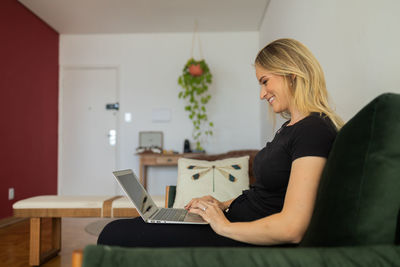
{"points": [[223, 179], [359, 195]]}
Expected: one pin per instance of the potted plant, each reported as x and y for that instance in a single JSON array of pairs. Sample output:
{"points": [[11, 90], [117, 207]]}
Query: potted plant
{"points": [[195, 80]]}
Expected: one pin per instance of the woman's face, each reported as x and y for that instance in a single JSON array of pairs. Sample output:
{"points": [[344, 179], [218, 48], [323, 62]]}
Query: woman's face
{"points": [[274, 89]]}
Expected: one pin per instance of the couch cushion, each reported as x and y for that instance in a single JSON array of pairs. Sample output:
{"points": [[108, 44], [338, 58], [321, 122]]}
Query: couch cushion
{"points": [[359, 195], [106, 256]]}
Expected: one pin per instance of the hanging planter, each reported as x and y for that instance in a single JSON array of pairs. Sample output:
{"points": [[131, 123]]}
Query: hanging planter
{"points": [[195, 80], [195, 70]]}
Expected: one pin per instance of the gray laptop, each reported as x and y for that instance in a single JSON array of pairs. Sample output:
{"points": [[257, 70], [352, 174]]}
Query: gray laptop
{"points": [[146, 206]]}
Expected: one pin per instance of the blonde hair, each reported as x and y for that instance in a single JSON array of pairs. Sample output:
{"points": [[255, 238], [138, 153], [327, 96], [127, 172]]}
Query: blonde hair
{"points": [[303, 73]]}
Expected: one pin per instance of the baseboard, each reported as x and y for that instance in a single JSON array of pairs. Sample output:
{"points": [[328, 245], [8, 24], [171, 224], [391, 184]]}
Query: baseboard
{"points": [[11, 220]]}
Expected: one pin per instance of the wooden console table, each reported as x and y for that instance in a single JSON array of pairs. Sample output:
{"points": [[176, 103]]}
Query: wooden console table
{"points": [[155, 159]]}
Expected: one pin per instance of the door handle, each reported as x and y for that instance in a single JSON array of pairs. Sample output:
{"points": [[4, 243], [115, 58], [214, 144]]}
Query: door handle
{"points": [[112, 137], [112, 106]]}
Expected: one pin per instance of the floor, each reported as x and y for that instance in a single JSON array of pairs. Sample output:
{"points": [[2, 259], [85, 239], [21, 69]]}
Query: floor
{"points": [[14, 242]]}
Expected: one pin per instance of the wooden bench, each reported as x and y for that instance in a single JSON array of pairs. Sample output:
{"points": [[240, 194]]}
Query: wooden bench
{"points": [[56, 207]]}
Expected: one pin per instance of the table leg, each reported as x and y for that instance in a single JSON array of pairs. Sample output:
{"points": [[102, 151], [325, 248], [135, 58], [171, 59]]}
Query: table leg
{"points": [[142, 173], [56, 233], [143, 177], [34, 246], [77, 258], [36, 257]]}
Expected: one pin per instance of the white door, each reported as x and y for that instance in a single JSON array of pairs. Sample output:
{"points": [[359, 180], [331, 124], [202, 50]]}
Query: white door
{"points": [[88, 131]]}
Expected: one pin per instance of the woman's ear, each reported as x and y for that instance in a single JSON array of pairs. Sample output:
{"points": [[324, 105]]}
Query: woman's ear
{"points": [[291, 80]]}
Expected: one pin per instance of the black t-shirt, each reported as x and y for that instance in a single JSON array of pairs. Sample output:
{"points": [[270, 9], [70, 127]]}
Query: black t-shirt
{"points": [[311, 136]]}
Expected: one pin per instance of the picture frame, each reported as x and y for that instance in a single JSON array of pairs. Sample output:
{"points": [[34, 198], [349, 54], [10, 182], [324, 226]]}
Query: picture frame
{"points": [[148, 139]]}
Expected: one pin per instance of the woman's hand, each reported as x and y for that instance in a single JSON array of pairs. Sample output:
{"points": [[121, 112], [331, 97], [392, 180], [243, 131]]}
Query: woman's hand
{"points": [[210, 199], [211, 212]]}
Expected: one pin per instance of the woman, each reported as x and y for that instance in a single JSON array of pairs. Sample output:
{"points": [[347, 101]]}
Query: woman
{"points": [[277, 209]]}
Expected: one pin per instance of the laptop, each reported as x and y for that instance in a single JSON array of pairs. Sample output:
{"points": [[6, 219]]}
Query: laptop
{"points": [[145, 205]]}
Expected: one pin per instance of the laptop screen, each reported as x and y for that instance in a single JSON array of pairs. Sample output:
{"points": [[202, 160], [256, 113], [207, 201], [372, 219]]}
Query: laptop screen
{"points": [[135, 191]]}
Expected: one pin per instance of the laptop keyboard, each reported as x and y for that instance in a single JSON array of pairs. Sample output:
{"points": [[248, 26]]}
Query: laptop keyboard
{"points": [[170, 215]]}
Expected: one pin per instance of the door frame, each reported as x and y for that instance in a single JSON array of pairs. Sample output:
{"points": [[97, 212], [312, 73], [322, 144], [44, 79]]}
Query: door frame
{"points": [[63, 68]]}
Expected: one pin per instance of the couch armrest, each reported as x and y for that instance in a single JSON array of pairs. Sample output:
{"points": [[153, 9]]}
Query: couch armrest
{"points": [[378, 255], [170, 192]]}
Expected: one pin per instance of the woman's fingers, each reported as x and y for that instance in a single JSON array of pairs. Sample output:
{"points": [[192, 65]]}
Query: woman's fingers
{"points": [[203, 205], [210, 212], [204, 198], [200, 207], [190, 204]]}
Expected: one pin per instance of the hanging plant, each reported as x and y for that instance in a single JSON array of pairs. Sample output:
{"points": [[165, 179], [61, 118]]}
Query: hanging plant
{"points": [[195, 80]]}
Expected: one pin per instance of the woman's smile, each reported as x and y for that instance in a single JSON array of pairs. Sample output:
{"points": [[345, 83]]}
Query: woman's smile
{"points": [[271, 99]]}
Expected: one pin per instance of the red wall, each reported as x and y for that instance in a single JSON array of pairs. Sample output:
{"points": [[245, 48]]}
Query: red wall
{"points": [[28, 105]]}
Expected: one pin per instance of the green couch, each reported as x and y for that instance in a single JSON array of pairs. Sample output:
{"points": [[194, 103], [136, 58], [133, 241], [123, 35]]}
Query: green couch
{"points": [[356, 218]]}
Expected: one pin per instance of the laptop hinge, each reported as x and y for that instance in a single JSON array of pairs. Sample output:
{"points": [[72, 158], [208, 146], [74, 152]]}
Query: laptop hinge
{"points": [[154, 213]]}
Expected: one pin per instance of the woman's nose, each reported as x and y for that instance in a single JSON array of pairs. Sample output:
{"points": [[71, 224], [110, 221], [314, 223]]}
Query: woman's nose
{"points": [[263, 93]]}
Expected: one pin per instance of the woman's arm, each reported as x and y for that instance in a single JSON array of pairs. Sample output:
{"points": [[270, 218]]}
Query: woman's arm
{"points": [[287, 226]]}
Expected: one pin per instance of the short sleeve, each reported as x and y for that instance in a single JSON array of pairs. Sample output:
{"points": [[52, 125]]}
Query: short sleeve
{"points": [[314, 138]]}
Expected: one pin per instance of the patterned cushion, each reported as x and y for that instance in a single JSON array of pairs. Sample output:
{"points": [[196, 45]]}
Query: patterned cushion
{"points": [[223, 179], [232, 154]]}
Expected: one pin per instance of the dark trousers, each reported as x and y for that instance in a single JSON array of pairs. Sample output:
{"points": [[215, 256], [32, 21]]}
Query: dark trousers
{"points": [[136, 233]]}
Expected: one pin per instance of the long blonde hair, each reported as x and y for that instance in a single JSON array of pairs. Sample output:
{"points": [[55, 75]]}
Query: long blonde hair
{"points": [[303, 73]]}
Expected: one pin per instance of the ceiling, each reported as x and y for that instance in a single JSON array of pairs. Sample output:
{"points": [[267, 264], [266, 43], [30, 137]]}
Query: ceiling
{"points": [[148, 16]]}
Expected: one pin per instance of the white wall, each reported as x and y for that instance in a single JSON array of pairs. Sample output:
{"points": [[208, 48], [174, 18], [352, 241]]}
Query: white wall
{"points": [[357, 43], [149, 68]]}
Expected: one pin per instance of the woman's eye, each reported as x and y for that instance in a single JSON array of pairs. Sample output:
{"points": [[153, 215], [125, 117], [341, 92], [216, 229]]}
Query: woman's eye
{"points": [[264, 82]]}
